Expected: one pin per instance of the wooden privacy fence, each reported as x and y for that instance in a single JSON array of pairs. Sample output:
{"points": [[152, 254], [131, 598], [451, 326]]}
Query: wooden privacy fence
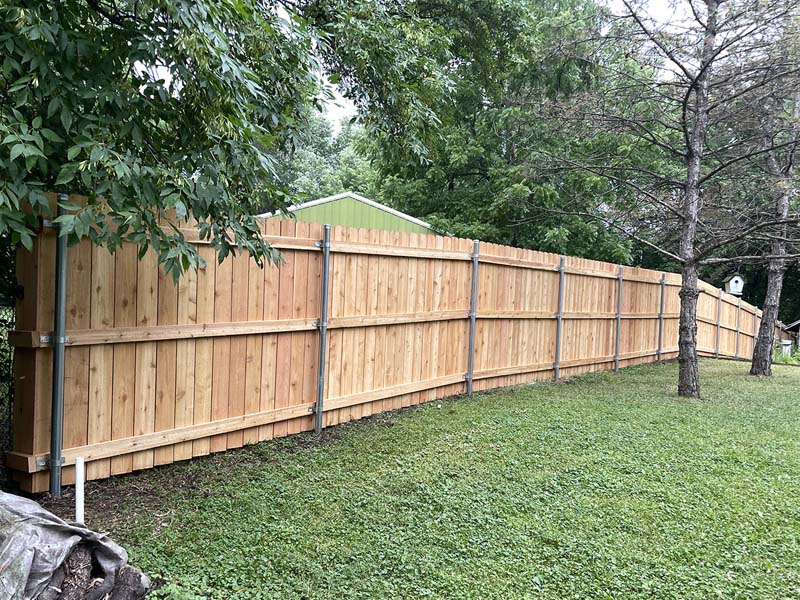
{"points": [[157, 372]]}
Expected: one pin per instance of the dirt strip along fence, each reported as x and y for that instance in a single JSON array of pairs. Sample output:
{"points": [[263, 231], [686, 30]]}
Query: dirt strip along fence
{"points": [[158, 372]]}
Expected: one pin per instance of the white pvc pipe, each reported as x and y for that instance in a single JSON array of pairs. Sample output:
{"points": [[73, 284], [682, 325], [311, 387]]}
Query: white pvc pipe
{"points": [[80, 476]]}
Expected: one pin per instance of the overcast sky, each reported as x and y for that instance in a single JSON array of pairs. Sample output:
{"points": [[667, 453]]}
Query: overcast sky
{"points": [[337, 109], [663, 11]]}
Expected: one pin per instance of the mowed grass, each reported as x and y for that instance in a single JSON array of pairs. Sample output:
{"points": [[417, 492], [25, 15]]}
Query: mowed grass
{"points": [[608, 486]]}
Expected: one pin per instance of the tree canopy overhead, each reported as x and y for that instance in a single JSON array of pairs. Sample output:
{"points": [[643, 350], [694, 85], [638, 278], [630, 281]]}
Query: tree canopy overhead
{"points": [[324, 163], [481, 178], [697, 98], [598, 130], [156, 108]]}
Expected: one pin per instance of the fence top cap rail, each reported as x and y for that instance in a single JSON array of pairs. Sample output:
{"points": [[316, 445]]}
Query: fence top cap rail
{"points": [[348, 247]]}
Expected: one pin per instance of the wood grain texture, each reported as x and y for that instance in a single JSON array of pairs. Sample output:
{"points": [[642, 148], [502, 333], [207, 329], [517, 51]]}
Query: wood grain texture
{"points": [[146, 356], [220, 373], [166, 366], [101, 358], [237, 365], [186, 351], [124, 385], [204, 350]]}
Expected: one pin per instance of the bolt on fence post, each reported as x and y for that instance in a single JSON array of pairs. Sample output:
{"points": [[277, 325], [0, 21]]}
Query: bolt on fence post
{"points": [[738, 326], [619, 320], [719, 323], [661, 315], [322, 324], [559, 317], [473, 313]]}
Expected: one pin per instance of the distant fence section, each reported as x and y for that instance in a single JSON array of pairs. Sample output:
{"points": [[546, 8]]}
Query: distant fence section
{"points": [[158, 372]]}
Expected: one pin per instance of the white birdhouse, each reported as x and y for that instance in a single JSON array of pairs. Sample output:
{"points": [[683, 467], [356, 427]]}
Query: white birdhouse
{"points": [[734, 284]]}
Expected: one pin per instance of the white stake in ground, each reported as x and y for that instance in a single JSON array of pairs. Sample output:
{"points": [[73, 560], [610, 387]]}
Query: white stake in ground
{"points": [[80, 476]]}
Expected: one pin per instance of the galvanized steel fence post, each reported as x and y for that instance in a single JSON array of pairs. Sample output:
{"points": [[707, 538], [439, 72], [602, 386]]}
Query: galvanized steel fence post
{"points": [[661, 315], [738, 325], [322, 324], [719, 323], [559, 317], [473, 310], [619, 320], [755, 330], [59, 338]]}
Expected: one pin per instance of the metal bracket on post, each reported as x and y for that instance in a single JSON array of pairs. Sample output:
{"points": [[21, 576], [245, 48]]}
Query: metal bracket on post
{"points": [[661, 315], [46, 462], [738, 326], [322, 325], [619, 319], [49, 340], [719, 323], [559, 317], [473, 313]]}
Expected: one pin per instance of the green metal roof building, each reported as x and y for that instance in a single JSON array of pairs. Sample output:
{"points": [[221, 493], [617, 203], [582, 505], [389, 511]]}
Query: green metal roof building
{"points": [[351, 210]]}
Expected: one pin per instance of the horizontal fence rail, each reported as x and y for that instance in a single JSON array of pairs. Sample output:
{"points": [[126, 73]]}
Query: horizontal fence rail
{"points": [[157, 372]]}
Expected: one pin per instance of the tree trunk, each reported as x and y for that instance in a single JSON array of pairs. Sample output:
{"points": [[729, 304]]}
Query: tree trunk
{"points": [[785, 170], [688, 371], [762, 352]]}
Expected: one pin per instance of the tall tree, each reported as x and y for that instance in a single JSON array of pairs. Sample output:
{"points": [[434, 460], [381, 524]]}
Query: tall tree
{"points": [[476, 180], [678, 89], [781, 166], [322, 163]]}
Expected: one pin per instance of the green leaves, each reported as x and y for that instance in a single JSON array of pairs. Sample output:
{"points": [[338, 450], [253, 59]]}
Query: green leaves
{"points": [[485, 170], [91, 113], [66, 174], [168, 112]]}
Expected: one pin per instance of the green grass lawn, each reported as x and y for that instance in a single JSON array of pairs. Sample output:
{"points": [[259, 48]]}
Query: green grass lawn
{"points": [[607, 486]]}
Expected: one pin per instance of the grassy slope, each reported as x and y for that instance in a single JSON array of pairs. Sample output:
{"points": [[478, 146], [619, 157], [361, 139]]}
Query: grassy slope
{"points": [[604, 487]]}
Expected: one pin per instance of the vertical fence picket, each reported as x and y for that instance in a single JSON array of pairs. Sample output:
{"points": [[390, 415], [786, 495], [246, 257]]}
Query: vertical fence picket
{"points": [[473, 309]]}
